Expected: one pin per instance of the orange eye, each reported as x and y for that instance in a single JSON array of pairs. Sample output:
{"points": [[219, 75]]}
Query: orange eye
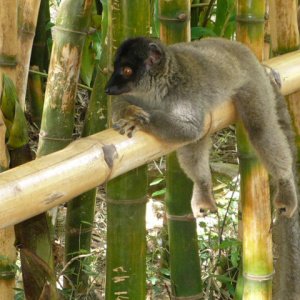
{"points": [[127, 71]]}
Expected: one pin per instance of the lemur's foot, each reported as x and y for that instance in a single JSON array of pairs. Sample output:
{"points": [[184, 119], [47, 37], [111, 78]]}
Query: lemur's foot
{"points": [[286, 198], [202, 203]]}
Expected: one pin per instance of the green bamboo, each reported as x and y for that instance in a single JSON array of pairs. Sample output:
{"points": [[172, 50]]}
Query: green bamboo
{"points": [[256, 211], [39, 62], [80, 213], [36, 95], [286, 233], [126, 195], [58, 115], [40, 52], [184, 258], [195, 13]]}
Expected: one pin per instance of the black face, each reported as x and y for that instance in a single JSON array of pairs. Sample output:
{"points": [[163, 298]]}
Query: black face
{"points": [[129, 66]]}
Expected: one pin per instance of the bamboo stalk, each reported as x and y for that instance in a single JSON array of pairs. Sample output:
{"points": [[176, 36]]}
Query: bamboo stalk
{"points": [[28, 14], [38, 62], [184, 259], [255, 195], [7, 235], [286, 233], [80, 213], [56, 133], [126, 205], [8, 53], [8, 44], [58, 115], [46, 182]]}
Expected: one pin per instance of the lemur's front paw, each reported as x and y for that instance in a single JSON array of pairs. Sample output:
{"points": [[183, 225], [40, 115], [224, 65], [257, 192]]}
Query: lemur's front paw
{"points": [[136, 114], [133, 118], [286, 198]]}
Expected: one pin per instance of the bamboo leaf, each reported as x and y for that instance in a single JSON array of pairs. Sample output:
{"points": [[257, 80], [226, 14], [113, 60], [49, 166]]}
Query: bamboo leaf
{"points": [[157, 181], [88, 58], [18, 135], [159, 193], [14, 117], [9, 96], [91, 53], [200, 32]]}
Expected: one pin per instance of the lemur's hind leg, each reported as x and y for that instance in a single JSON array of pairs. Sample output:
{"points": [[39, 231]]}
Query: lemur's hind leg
{"points": [[194, 160], [270, 141]]}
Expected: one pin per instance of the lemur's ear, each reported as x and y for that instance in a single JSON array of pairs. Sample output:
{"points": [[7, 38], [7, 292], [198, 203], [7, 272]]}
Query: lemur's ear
{"points": [[154, 56]]}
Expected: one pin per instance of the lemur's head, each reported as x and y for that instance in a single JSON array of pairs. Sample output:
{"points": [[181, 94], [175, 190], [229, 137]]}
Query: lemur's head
{"points": [[136, 61]]}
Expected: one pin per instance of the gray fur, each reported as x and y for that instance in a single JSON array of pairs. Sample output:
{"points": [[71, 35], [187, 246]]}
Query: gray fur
{"points": [[181, 83]]}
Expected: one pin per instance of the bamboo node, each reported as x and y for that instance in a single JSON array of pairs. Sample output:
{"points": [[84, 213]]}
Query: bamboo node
{"points": [[181, 17], [110, 154], [23, 30], [7, 61], [253, 277], [43, 135], [142, 200], [273, 75], [193, 297], [249, 19], [59, 28], [183, 218], [6, 275]]}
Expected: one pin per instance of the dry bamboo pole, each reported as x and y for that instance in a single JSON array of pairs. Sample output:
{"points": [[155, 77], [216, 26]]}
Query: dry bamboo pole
{"points": [[7, 236], [8, 38], [81, 211], [27, 14], [286, 233], [255, 194], [8, 53], [56, 178]]}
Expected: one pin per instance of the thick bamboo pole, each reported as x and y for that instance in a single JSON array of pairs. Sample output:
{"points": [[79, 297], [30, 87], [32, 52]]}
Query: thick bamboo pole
{"points": [[56, 178], [28, 14], [8, 53], [255, 194], [7, 235], [286, 233], [126, 205], [81, 211], [8, 38], [183, 246]]}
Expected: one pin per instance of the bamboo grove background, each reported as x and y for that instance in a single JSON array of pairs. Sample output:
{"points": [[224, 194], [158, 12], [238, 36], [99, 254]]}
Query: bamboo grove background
{"points": [[41, 67]]}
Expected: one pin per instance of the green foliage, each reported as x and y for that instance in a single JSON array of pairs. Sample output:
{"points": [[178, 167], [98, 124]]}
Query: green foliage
{"points": [[201, 32], [91, 50], [219, 21], [14, 118], [19, 294], [225, 18]]}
